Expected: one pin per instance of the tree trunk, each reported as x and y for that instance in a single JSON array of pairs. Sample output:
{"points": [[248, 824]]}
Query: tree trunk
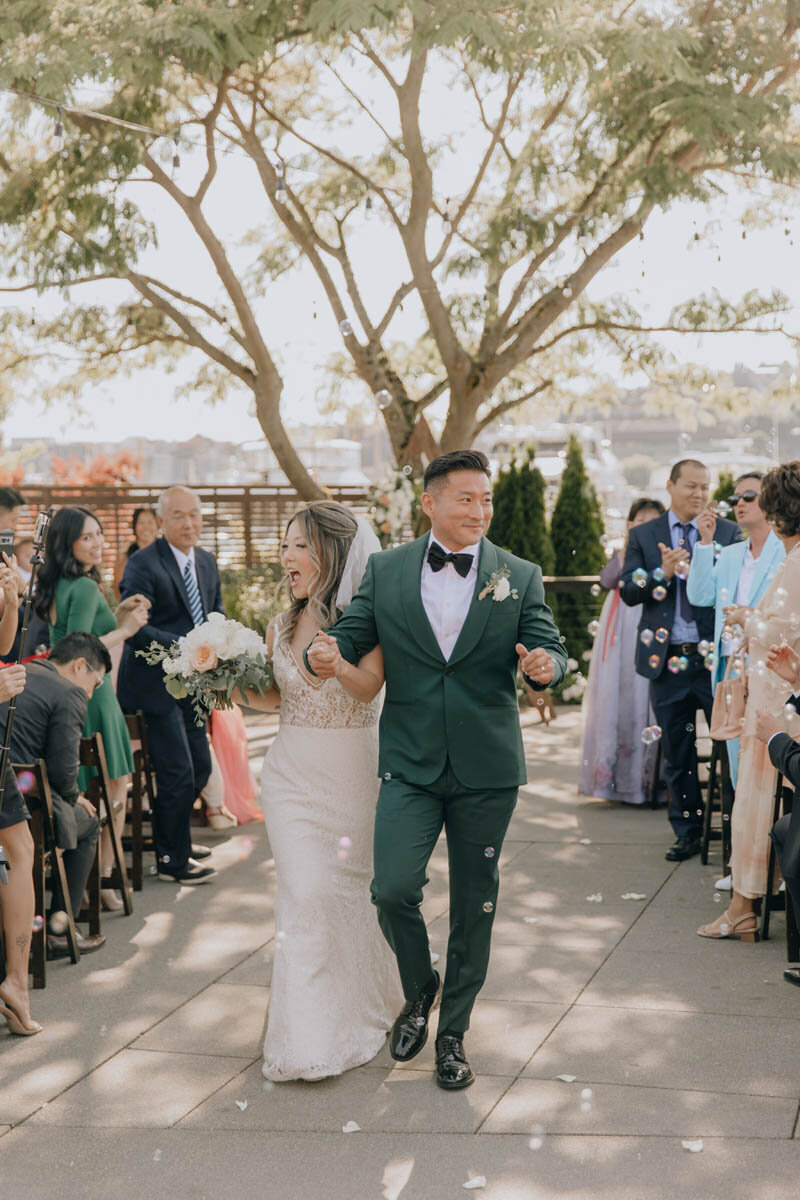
{"points": [[269, 418]]}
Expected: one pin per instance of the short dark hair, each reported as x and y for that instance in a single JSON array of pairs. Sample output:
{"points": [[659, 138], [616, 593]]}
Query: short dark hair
{"points": [[11, 498], [456, 460], [779, 498], [748, 475], [81, 645], [675, 473], [643, 503]]}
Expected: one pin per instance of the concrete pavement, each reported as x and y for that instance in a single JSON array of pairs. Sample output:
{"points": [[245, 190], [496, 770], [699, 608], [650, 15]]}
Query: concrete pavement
{"points": [[146, 1082]]}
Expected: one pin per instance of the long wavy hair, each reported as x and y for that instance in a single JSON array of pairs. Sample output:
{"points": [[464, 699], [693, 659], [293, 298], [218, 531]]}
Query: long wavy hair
{"points": [[59, 561], [328, 529]]}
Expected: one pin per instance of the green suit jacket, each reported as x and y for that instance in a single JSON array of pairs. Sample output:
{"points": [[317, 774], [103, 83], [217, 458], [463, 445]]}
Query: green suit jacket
{"points": [[464, 709]]}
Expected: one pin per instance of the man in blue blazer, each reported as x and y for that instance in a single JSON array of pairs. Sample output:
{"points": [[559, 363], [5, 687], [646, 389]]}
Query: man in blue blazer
{"points": [[654, 575], [181, 581], [734, 578]]}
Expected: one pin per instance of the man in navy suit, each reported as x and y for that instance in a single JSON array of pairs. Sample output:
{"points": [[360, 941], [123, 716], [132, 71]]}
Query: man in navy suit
{"points": [[670, 631], [181, 581]]}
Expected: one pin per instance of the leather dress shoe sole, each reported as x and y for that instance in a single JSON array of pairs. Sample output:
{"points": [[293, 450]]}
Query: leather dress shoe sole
{"points": [[58, 946], [792, 976]]}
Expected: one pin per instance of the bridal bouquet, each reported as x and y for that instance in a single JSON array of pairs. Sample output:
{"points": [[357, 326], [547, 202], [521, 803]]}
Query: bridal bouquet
{"points": [[211, 662]]}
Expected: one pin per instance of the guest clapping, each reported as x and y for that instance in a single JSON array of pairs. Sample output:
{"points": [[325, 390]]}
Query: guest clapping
{"points": [[70, 598]]}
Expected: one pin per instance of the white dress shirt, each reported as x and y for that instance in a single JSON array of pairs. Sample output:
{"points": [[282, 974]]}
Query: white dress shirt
{"points": [[181, 559], [446, 597], [744, 587]]}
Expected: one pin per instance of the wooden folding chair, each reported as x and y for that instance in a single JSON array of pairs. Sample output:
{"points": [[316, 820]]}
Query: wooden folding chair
{"points": [[141, 792], [718, 799], [46, 851], [92, 754]]}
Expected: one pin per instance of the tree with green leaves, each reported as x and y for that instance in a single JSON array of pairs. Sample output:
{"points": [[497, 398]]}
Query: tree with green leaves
{"points": [[505, 155], [724, 489], [577, 530], [519, 523]]}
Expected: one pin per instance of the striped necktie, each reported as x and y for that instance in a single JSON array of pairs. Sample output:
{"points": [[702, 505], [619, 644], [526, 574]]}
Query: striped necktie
{"points": [[193, 592]]}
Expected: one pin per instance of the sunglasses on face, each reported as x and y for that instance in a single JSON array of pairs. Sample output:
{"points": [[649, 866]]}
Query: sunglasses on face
{"points": [[749, 496]]}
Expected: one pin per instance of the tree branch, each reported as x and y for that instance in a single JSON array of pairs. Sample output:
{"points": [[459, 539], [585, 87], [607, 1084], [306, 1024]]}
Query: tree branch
{"points": [[507, 405], [210, 124]]}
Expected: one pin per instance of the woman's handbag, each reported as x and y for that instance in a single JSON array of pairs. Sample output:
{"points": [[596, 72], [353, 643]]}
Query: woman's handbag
{"points": [[730, 698]]}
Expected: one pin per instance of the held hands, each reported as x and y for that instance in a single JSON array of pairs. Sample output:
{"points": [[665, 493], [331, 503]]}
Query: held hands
{"points": [[536, 664], [706, 526], [736, 614], [766, 725], [132, 614], [324, 657], [785, 662], [12, 682], [671, 558]]}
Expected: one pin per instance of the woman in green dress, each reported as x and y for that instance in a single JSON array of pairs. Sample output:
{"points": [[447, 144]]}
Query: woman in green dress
{"points": [[70, 597]]}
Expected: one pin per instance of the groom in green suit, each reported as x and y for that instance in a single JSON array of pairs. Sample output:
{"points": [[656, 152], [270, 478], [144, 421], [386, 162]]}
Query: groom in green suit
{"points": [[455, 616]]}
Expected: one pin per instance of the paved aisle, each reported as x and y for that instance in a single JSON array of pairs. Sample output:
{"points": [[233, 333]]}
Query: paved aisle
{"points": [[132, 1091]]}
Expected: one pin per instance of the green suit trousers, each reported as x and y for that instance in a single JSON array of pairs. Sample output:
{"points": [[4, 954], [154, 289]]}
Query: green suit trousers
{"points": [[408, 822]]}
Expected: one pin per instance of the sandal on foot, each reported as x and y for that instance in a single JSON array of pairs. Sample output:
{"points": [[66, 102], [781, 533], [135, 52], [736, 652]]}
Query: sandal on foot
{"points": [[727, 927], [14, 1020]]}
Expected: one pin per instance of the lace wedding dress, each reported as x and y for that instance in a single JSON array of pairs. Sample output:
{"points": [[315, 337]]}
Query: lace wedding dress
{"points": [[335, 985]]}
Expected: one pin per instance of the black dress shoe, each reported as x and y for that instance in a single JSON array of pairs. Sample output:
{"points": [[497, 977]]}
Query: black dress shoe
{"points": [[685, 847], [191, 874], [452, 1066], [792, 975], [410, 1030], [198, 853], [58, 947]]}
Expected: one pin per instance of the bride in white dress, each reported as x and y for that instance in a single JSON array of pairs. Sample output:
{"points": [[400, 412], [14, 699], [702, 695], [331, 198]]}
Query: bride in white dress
{"points": [[335, 986]]}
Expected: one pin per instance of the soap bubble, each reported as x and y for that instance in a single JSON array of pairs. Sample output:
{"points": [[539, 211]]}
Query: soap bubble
{"points": [[38, 923], [674, 665], [488, 906], [659, 574], [722, 508], [345, 328], [383, 398], [640, 577], [646, 637], [595, 589], [537, 1137], [682, 570], [650, 734], [703, 647], [26, 781], [593, 628], [683, 663], [659, 592], [662, 636], [654, 661]]}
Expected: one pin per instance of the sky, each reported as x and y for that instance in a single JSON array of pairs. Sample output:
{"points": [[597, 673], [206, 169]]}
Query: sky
{"points": [[675, 267]]}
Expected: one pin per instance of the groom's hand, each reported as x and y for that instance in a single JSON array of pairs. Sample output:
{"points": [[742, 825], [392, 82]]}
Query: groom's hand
{"points": [[323, 656], [536, 664]]}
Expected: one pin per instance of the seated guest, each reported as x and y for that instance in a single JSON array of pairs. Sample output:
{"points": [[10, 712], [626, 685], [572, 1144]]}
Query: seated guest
{"points": [[784, 753], [49, 722], [616, 703], [735, 583], [17, 900], [773, 621], [144, 526], [670, 630]]}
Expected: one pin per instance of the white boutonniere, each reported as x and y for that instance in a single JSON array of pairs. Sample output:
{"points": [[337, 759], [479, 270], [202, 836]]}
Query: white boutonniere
{"points": [[498, 586]]}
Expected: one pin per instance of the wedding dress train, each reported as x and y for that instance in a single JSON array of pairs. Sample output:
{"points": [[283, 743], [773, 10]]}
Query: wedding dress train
{"points": [[335, 985]]}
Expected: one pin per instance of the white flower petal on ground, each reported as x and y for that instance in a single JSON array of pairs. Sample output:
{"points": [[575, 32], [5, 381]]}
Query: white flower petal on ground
{"points": [[585, 842], [595, 898], [351, 1127], [633, 896], [694, 1146], [530, 920], [479, 1181], [241, 1105], [567, 1078]]}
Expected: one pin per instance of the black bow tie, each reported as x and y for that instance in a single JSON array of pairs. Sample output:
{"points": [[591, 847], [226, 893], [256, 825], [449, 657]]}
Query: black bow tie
{"points": [[437, 558]]}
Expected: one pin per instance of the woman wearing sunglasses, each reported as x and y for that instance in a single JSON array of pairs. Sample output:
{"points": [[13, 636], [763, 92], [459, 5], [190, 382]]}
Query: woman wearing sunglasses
{"points": [[734, 580]]}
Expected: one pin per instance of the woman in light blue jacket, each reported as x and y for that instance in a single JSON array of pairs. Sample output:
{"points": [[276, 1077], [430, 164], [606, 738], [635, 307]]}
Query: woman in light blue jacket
{"points": [[736, 578]]}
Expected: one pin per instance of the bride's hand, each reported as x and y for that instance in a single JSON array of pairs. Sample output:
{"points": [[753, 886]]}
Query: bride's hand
{"points": [[324, 657], [786, 663]]}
